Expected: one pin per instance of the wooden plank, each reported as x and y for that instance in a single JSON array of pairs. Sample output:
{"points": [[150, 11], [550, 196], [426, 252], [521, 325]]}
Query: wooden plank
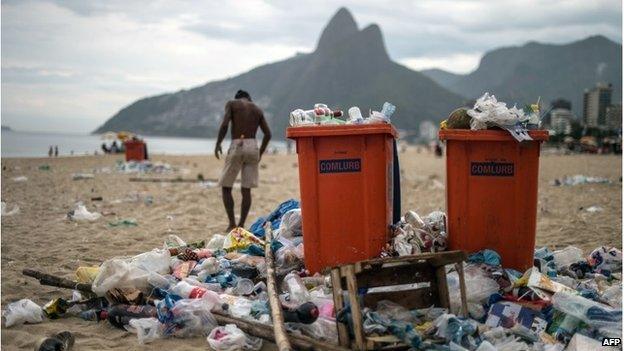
{"points": [[395, 275], [462, 288], [410, 299], [437, 258], [443, 293], [356, 312], [343, 333]]}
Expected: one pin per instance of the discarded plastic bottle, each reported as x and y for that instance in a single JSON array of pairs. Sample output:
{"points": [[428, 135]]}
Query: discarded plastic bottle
{"points": [[355, 115], [306, 313], [120, 315], [94, 315], [188, 291], [296, 289]]}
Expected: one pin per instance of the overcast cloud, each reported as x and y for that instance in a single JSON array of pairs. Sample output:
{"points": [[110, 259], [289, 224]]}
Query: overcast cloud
{"points": [[70, 65]]}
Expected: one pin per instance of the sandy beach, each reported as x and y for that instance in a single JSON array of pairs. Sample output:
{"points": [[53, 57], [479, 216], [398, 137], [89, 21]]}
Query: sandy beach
{"points": [[40, 237]]}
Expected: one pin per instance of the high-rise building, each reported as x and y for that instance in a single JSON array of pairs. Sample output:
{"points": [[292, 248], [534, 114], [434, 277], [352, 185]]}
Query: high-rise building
{"points": [[595, 102], [614, 117], [561, 120], [555, 104]]}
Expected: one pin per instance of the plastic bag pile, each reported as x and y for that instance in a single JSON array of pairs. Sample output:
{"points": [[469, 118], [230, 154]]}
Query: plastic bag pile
{"points": [[565, 300]]}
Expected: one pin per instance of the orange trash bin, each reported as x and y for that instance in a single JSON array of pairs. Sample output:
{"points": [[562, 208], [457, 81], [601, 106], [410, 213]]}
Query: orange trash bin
{"points": [[346, 185], [491, 193], [135, 150]]}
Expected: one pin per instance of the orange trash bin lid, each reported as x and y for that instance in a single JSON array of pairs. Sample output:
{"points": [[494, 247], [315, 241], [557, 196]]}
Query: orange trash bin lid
{"points": [[487, 135], [340, 130]]}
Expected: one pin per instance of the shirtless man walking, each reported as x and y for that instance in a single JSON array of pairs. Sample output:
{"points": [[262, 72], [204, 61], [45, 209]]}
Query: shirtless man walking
{"points": [[243, 155]]}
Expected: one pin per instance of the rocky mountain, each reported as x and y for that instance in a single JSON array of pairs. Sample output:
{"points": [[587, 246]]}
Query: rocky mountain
{"points": [[520, 74], [348, 67]]}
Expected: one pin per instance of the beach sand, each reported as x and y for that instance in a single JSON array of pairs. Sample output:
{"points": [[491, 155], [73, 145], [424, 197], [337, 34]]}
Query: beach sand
{"points": [[39, 237]]}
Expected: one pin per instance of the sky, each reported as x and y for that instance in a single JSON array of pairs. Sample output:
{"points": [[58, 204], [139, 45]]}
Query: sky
{"points": [[68, 66]]}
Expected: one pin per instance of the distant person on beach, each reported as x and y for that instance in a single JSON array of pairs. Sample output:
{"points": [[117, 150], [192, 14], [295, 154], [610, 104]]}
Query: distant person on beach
{"points": [[55, 150], [243, 155], [50, 151]]}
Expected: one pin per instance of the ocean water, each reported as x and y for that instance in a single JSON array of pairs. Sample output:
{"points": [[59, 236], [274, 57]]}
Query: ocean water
{"points": [[31, 144]]}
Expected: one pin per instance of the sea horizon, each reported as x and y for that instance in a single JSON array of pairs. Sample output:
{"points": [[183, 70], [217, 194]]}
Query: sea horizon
{"points": [[31, 144]]}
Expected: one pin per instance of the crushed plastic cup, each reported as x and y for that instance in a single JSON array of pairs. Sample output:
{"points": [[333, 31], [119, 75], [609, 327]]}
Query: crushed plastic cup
{"points": [[244, 286]]}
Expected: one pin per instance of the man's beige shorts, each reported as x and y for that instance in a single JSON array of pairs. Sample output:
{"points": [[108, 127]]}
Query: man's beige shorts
{"points": [[242, 156]]}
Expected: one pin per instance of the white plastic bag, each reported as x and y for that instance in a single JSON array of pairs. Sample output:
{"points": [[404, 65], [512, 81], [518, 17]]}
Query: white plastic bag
{"points": [[479, 287], [153, 261], [118, 273], [6, 212], [230, 338], [291, 225], [22, 311], [191, 317], [147, 329], [80, 213]]}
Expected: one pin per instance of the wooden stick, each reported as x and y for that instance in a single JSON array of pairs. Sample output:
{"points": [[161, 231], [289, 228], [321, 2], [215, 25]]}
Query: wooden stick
{"points": [[343, 333], [300, 342], [356, 312], [462, 288], [281, 338], [51, 280]]}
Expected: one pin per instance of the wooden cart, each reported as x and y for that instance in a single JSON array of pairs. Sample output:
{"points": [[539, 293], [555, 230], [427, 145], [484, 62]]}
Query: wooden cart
{"points": [[416, 281]]}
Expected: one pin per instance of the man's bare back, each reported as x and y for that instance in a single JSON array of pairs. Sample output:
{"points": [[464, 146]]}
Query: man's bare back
{"points": [[246, 117]]}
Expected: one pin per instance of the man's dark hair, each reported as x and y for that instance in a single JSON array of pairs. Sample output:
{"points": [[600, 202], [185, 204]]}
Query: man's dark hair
{"points": [[242, 94]]}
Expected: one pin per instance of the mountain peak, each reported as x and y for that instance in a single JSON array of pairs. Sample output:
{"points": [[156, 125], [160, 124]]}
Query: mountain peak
{"points": [[341, 26]]}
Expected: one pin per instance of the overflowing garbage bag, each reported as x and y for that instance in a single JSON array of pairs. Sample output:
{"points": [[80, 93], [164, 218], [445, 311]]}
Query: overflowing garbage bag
{"points": [[489, 113], [567, 298]]}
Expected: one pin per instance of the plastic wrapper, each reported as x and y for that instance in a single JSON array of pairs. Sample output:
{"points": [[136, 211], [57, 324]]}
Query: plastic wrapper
{"points": [[392, 310], [80, 213], [479, 287], [22, 311], [606, 320], [230, 338], [147, 329], [291, 225], [288, 258], [173, 241], [614, 296], [606, 259], [566, 257], [86, 274], [216, 242], [322, 329], [240, 238], [187, 317]]}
